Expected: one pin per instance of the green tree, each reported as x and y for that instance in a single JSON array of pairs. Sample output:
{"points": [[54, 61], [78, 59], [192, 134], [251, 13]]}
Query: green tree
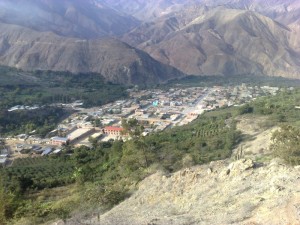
{"points": [[2, 204], [6, 203], [286, 144], [97, 123], [132, 127], [245, 109], [93, 141], [135, 131]]}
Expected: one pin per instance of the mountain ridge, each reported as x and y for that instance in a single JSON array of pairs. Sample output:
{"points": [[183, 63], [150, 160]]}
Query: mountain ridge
{"points": [[77, 18], [221, 41], [197, 37], [116, 61]]}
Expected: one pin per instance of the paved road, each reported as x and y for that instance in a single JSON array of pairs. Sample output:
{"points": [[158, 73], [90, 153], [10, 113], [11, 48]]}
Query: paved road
{"points": [[197, 102]]}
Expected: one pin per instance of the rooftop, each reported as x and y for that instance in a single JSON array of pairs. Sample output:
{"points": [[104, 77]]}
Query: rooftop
{"points": [[59, 139], [111, 128]]}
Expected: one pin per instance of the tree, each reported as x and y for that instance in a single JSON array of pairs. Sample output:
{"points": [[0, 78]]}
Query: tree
{"points": [[97, 123], [132, 127], [6, 203], [2, 205], [139, 148], [286, 144], [93, 141], [245, 109]]}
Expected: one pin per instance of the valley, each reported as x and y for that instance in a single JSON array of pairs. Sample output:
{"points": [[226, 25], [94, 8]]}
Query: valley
{"points": [[156, 110], [209, 134], [149, 112]]}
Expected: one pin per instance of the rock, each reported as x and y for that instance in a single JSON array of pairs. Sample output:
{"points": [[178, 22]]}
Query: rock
{"points": [[209, 171], [240, 166], [224, 174]]}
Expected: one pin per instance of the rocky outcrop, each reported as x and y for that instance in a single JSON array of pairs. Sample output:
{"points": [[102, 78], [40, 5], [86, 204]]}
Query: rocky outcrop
{"points": [[240, 192]]}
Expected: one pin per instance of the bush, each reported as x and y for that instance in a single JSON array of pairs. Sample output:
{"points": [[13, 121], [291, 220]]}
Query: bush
{"points": [[245, 109], [286, 144]]}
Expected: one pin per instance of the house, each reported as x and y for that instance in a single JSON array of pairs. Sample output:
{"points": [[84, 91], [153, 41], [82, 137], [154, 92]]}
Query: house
{"points": [[4, 153], [3, 161], [111, 130], [22, 136], [56, 151], [59, 141], [47, 151]]}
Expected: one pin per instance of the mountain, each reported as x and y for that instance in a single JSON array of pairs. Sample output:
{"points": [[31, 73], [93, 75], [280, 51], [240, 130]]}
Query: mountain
{"points": [[200, 37], [147, 10], [280, 10], [202, 40], [71, 18], [118, 62]]}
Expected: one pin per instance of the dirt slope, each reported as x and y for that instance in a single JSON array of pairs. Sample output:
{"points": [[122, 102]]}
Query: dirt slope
{"points": [[231, 191], [220, 193]]}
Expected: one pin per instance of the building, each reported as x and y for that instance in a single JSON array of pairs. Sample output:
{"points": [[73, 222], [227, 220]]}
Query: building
{"points": [[59, 141], [80, 134], [3, 161], [111, 130], [47, 151]]}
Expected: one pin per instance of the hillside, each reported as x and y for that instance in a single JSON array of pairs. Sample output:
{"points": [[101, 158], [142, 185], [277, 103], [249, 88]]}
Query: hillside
{"points": [[71, 18], [222, 168], [283, 11], [148, 10], [220, 41], [232, 191], [197, 37], [116, 61], [241, 192]]}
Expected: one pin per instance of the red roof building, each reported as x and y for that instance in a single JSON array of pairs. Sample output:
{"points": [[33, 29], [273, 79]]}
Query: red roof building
{"points": [[113, 130], [59, 141]]}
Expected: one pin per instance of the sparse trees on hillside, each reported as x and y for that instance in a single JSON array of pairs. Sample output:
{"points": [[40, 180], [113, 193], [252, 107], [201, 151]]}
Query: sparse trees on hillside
{"points": [[286, 144], [135, 152]]}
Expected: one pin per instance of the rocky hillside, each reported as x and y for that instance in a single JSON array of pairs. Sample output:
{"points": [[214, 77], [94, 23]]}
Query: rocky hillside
{"points": [[252, 190], [223, 192], [146, 10], [284, 11], [199, 37], [241, 192], [118, 62], [205, 41], [72, 18]]}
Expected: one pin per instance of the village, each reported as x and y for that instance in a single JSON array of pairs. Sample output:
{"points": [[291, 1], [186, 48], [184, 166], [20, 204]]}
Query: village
{"points": [[155, 109]]}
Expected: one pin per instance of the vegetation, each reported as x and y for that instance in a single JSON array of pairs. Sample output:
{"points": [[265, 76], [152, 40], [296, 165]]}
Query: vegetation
{"points": [[206, 81], [43, 88], [38, 173], [105, 173], [39, 121], [286, 144], [282, 108], [47, 87]]}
